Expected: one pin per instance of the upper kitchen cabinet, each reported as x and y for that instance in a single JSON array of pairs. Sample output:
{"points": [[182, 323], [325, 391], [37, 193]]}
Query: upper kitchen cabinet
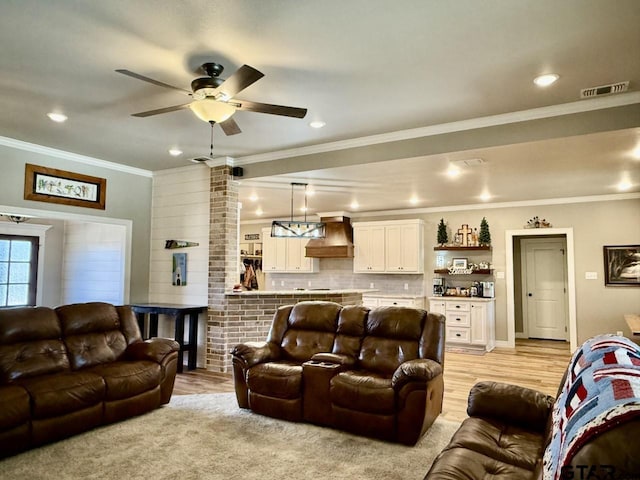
{"points": [[389, 247], [285, 255]]}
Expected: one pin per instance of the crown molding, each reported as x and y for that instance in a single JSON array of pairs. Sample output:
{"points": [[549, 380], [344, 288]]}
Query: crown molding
{"points": [[551, 111], [74, 157]]}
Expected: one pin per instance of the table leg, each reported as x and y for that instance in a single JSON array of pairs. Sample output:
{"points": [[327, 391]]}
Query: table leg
{"points": [[179, 336], [140, 319], [193, 341], [153, 325]]}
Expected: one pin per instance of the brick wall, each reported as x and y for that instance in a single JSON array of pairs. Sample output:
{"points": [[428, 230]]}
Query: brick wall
{"points": [[247, 318]]}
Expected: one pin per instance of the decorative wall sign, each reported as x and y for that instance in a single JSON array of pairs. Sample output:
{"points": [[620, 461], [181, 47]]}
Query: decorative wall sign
{"points": [[622, 265], [179, 244], [252, 236], [44, 184], [179, 269]]}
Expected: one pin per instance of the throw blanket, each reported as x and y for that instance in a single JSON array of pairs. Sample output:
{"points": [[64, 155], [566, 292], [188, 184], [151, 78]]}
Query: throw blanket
{"points": [[602, 389]]}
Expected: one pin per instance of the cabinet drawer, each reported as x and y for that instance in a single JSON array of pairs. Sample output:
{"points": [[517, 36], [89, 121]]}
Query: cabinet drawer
{"points": [[458, 307], [458, 319], [458, 335], [397, 302]]}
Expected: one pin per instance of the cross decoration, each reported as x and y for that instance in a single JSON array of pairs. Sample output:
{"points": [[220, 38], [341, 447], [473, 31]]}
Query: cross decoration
{"points": [[464, 232]]}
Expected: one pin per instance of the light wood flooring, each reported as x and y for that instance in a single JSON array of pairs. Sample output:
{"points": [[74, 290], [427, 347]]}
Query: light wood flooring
{"points": [[537, 364]]}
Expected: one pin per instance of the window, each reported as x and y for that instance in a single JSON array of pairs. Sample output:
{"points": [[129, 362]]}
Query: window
{"points": [[18, 270]]}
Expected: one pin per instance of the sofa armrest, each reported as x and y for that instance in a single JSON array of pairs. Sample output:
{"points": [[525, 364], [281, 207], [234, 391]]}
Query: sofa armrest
{"points": [[154, 349], [252, 353], [421, 370], [510, 403], [337, 358]]}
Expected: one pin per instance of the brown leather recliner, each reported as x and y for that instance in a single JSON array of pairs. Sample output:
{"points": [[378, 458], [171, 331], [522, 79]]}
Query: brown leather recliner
{"points": [[68, 370], [376, 373]]}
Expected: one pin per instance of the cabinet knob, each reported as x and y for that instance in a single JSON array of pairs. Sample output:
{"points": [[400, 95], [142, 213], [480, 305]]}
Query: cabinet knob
{"points": [[458, 335]]}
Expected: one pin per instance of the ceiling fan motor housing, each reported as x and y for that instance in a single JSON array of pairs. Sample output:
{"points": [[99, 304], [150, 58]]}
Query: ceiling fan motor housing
{"points": [[205, 87]]}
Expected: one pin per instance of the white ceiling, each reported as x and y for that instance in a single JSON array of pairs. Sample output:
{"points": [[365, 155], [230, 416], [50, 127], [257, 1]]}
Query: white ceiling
{"points": [[365, 67]]}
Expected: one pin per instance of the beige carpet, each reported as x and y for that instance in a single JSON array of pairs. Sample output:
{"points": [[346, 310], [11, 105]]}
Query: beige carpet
{"points": [[209, 437]]}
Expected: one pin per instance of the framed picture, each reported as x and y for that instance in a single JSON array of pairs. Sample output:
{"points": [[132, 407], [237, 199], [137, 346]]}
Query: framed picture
{"points": [[459, 263], [621, 265], [179, 272], [59, 186]]}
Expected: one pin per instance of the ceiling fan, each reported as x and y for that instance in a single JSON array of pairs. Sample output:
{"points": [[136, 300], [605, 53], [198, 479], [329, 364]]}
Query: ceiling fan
{"points": [[213, 97]]}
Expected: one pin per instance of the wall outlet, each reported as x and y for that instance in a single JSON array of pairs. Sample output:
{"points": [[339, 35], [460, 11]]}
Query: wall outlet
{"points": [[309, 283], [273, 283], [371, 285], [619, 333], [406, 286], [499, 274], [282, 283], [591, 275]]}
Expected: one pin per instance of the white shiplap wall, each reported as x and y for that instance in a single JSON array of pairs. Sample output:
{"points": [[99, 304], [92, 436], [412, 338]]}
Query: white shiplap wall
{"points": [[93, 267], [180, 211]]}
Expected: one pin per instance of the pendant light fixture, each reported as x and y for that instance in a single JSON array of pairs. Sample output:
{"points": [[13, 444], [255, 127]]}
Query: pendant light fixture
{"points": [[295, 228]]}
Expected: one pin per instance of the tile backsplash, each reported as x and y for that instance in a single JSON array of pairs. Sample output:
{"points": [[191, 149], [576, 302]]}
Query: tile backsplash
{"points": [[337, 273]]}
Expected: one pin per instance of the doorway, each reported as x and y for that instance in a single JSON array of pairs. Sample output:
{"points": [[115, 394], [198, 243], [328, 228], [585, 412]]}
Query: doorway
{"points": [[543, 288], [513, 276]]}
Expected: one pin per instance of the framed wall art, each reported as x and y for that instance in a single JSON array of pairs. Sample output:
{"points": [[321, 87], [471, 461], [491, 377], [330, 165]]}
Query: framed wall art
{"points": [[621, 265], [51, 185], [459, 263]]}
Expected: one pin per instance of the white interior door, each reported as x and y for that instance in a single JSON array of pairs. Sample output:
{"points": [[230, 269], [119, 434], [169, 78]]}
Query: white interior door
{"points": [[544, 304]]}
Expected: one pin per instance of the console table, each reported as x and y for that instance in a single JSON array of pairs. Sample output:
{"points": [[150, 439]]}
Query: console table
{"points": [[633, 320], [178, 312]]}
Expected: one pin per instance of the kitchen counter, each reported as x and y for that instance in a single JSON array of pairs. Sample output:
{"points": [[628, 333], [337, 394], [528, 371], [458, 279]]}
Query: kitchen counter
{"points": [[306, 292], [461, 298]]}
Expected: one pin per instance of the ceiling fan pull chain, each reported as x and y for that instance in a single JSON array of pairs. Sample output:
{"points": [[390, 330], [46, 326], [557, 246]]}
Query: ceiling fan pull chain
{"points": [[211, 146]]}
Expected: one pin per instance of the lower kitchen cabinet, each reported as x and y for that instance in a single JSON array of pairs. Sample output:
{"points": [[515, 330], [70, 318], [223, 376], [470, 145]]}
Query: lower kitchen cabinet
{"points": [[470, 322], [373, 301]]}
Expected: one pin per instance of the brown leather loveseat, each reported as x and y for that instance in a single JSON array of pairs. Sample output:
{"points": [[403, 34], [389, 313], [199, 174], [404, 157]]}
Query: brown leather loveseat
{"points": [[515, 433], [69, 369], [371, 372]]}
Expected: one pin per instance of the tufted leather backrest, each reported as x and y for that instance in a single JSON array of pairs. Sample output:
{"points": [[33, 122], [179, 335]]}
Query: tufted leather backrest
{"points": [[351, 323], [392, 336], [311, 329], [30, 343], [92, 333]]}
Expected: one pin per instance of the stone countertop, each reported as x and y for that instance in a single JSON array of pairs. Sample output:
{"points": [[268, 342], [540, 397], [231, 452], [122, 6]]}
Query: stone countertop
{"points": [[462, 299], [302, 293], [373, 293]]}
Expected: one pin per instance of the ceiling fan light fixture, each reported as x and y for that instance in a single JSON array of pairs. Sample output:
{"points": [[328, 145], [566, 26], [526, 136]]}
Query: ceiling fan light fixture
{"points": [[210, 110]]}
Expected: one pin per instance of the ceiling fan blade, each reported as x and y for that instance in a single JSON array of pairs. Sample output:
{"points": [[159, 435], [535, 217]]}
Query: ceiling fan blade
{"points": [[241, 79], [230, 127], [268, 108], [160, 110], [131, 74]]}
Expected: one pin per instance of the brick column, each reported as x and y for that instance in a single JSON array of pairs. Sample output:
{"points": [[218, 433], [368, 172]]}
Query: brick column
{"points": [[223, 264]]}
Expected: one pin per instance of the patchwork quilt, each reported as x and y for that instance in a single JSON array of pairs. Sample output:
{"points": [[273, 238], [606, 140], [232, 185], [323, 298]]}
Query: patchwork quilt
{"points": [[602, 390]]}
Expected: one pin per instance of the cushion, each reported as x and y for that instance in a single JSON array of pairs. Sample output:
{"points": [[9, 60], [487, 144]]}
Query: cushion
{"points": [[15, 408], [500, 441], [276, 379], [127, 379], [61, 393], [96, 348], [30, 359], [460, 463], [363, 391]]}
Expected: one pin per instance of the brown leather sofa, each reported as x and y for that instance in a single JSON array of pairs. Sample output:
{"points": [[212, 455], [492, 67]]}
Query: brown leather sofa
{"points": [[371, 372], [508, 429], [66, 370]]}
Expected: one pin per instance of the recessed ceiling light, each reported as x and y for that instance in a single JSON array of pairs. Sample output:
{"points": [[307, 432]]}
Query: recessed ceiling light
{"points": [[414, 200], [175, 152], [624, 185], [303, 209], [259, 212], [317, 124], [57, 117], [253, 197], [453, 171], [635, 153], [485, 196], [309, 192], [546, 79], [354, 205]]}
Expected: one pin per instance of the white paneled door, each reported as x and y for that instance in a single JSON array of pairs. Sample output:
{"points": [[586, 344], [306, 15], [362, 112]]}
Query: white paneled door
{"points": [[544, 288]]}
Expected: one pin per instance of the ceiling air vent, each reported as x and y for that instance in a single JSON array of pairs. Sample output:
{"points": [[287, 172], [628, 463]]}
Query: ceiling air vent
{"points": [[469, 162], [604, 90]]}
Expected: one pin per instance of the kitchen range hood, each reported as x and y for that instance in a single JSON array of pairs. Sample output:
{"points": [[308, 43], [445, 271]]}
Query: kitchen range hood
{"points": [[338, 240]]}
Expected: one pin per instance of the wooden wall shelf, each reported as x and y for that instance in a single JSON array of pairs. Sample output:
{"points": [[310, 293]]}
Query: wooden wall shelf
{"points": [[483, 271]]}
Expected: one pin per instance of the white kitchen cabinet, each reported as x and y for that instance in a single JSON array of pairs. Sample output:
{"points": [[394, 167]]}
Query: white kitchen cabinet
{"points": [[368, 242], [389, 247], [285, 255], [470, 322], [373, 301]]}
